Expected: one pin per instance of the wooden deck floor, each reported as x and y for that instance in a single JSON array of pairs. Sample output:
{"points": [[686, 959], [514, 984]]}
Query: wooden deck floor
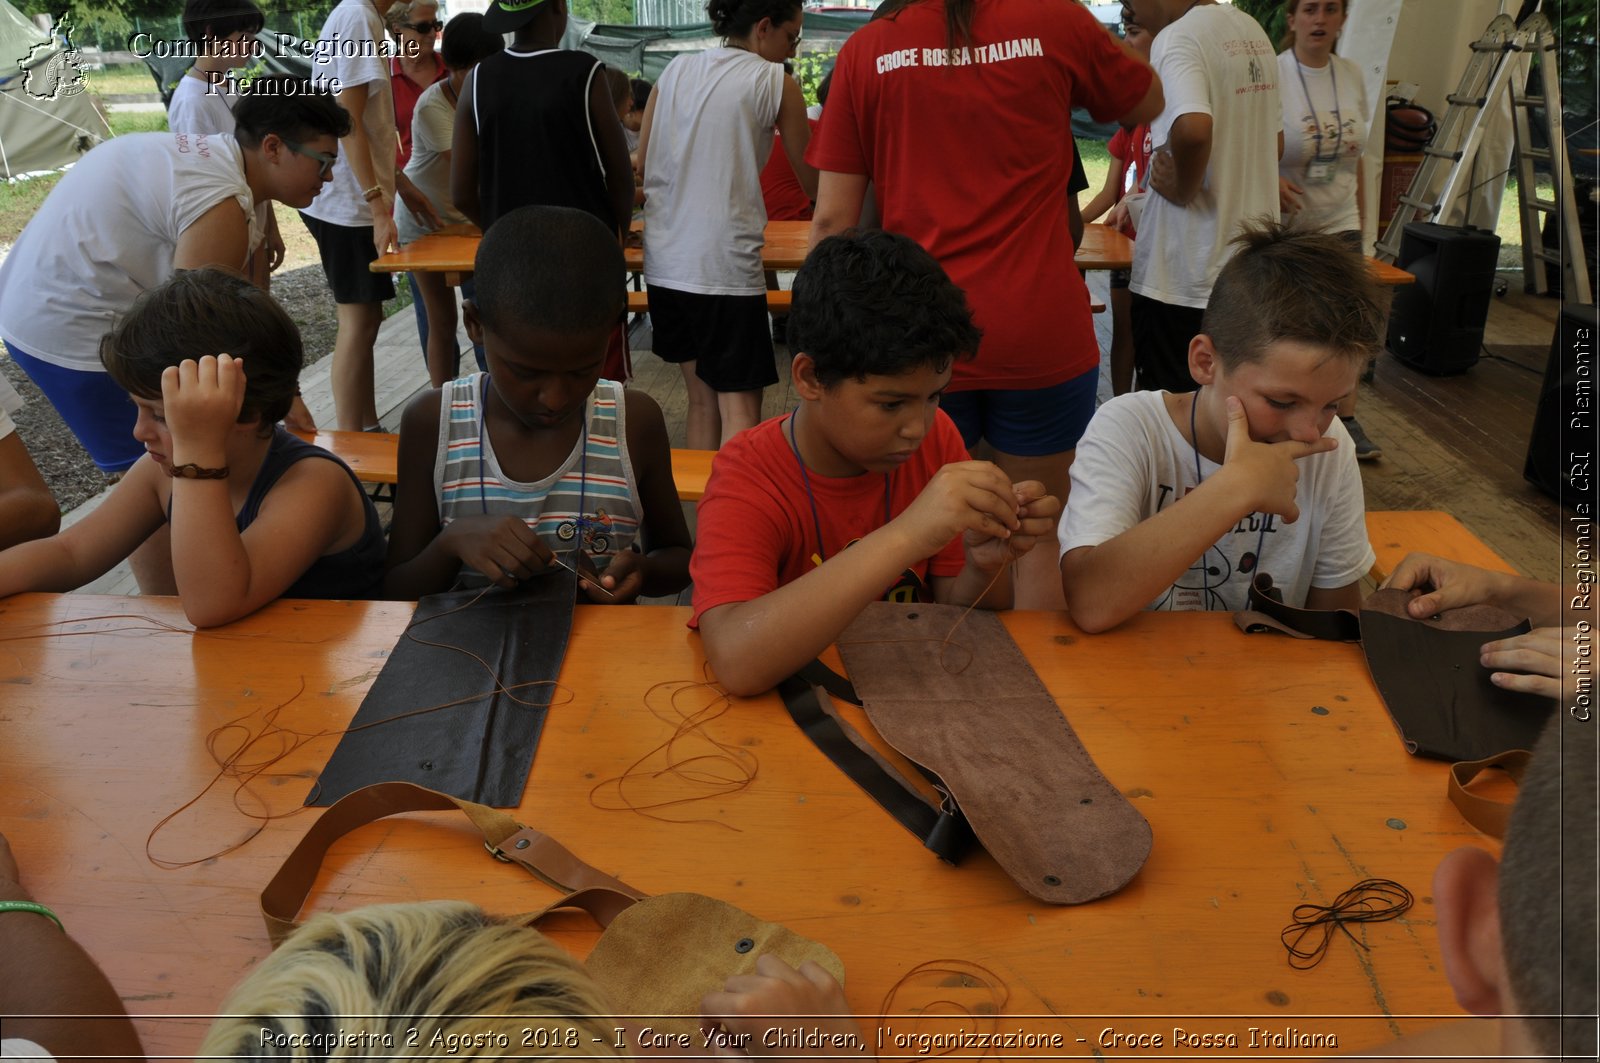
{"points": [[1450, 443]]}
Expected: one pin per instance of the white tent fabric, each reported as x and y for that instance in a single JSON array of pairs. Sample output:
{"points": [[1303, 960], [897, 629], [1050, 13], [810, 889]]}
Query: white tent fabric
{"points": [[43, 126]]}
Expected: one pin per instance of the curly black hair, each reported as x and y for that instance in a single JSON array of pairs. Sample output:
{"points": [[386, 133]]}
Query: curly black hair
{"points": [[869, 302], [549, 267]]}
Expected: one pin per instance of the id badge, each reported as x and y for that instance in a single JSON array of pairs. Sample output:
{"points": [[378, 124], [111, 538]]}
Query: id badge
{"points": [[1320, 173]]}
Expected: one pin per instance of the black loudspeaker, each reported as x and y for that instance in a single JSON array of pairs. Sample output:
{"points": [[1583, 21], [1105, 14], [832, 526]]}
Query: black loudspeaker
{"points": [[1436, 324], [1561, 451]]}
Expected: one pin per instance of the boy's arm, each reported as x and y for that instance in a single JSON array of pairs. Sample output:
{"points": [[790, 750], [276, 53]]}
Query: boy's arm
{"points": [[663, 565], [219, 237], [1107, 583], [464, 153], [753, 644], [1106, 198], [221, 575], [27, 509], [88, 550], [613, 151], [1178, 167], [416, 566]]}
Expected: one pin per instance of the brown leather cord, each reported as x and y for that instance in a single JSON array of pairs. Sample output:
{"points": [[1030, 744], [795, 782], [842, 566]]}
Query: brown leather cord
{"points": [[547, 859], [1484, 813]]}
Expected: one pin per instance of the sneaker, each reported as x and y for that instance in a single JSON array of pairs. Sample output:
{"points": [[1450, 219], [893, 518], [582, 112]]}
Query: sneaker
{"points": [[1366, 449]]}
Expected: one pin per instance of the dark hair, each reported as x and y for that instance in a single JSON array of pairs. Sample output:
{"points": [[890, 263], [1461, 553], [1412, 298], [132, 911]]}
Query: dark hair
{"points": [[957, 19], [208, 311], [290, 107], [874, 302], [641, 93], [617, 83], [466, 43], [553, 268], [1288, 283], [1547, 892], [736, 18], [217, 19], [822, 88]]}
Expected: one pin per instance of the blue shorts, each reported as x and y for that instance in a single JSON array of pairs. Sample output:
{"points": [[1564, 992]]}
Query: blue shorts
{"points": [[1026, 423], [99, 412]]}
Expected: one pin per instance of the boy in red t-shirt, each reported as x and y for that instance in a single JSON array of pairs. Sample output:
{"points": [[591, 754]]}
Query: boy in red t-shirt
{"points": [[865, 491]]}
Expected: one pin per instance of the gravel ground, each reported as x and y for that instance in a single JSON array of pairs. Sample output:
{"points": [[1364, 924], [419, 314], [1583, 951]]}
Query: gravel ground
{"points": [[66, 467]]}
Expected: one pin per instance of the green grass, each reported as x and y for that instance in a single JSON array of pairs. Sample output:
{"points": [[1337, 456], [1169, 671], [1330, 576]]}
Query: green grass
{"points": [[123, 79]]}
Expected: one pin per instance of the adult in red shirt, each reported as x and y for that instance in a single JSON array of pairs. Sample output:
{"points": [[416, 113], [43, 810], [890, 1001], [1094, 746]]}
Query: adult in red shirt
{"points": [[416, 64], [958, 112]]}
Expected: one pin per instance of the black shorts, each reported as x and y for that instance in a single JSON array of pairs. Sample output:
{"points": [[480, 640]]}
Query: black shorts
{"points": [[1161, 335], [346, 253], [727, 337]]}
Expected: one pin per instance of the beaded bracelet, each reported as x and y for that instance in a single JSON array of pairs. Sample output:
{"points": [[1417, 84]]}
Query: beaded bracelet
{"points": [[32, 906]]}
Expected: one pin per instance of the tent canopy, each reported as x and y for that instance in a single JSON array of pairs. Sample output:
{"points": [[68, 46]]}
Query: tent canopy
{"points": [[44, 125]]}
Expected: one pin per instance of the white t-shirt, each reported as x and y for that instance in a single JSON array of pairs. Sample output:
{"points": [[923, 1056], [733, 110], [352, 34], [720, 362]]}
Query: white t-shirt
{"points": [[199, 107], [1327, 171], [108, 232], [351, 40], [710, 135], [432, 129], [10, 403], [1215, 60], [17, 1048], [1133, 462]]}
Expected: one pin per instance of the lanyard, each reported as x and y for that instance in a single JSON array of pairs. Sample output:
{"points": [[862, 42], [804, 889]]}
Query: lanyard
{"points": [[805, 478], [1316, 123]]}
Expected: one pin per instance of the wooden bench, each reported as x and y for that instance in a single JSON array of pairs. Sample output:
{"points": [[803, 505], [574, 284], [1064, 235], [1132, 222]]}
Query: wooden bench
{"points": [[779, 301], [374, 456], [1396, 533]]}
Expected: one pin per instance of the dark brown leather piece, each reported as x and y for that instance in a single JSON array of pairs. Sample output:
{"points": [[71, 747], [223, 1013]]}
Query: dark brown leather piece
{"points": [[975, 713], [1267, 612], [481, 747]]}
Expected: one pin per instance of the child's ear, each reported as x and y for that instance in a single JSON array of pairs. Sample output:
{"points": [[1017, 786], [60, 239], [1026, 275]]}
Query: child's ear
{"points": [[1466, 898], [469, 316], [803, 372], [1203, 361]]}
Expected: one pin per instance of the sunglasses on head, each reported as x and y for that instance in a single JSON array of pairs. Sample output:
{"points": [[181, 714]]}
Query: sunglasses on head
{"points": [[424, 27]]}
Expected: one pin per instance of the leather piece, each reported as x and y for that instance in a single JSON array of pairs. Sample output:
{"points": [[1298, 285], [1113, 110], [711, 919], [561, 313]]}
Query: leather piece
{"points": [[481, 747], [662, 955], [1486, 814], [1265, 611], [1434, 686], [994, 736]]}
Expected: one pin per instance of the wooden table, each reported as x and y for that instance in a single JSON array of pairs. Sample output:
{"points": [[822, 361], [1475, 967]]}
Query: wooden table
{"points": [[1266, 767]]}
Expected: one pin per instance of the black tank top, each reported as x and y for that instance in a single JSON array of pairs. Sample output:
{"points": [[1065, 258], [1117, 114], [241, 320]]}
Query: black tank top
{"points": [[536, 146]]}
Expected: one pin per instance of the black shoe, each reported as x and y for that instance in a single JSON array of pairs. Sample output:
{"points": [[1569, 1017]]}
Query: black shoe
{"points": [[1366, 449]]}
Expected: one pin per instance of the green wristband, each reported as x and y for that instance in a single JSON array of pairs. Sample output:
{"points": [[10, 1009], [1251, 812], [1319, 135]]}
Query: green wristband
{"points": [[34, 907]]}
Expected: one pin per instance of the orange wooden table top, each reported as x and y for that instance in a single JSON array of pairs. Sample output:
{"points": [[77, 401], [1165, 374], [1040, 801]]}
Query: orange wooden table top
{"points": [[1266, 766]]}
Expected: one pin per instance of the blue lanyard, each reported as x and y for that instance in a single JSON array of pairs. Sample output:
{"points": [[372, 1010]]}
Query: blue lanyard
{"points": [[805, 478], [1338, 115]]}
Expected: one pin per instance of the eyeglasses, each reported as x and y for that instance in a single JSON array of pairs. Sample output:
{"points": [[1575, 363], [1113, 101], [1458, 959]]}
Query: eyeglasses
{"points": [[794, 38], [423, 27], [322, 157]]}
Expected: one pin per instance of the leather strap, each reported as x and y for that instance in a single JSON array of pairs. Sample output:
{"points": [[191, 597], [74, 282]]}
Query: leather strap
{"points": [[1264, 611], [547, 859], [1491, 817], [941, 827]]}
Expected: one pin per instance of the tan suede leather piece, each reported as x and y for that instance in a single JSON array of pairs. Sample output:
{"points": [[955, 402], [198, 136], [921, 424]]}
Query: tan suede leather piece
{"points": [[975, 713]]}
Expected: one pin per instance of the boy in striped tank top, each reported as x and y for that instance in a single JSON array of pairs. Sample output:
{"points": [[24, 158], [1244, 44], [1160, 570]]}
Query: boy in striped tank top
{"points": [[504, 474]]}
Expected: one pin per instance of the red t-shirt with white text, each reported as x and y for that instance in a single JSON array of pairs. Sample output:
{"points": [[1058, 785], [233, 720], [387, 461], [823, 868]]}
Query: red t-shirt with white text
{"points": [[971, 160]]}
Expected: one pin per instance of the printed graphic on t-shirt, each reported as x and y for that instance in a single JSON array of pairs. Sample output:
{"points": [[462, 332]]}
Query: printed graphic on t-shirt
{"points": [[1200, 587], [1003, 51]]}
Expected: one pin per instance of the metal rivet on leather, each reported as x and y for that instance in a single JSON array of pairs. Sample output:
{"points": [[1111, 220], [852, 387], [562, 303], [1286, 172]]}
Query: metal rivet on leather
{"points": [[744, 945]]}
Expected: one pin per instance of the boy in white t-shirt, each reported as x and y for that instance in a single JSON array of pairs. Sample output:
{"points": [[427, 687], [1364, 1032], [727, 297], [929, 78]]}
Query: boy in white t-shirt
{"points": [[205, 96], [1215, 167], [1179, 500]]}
